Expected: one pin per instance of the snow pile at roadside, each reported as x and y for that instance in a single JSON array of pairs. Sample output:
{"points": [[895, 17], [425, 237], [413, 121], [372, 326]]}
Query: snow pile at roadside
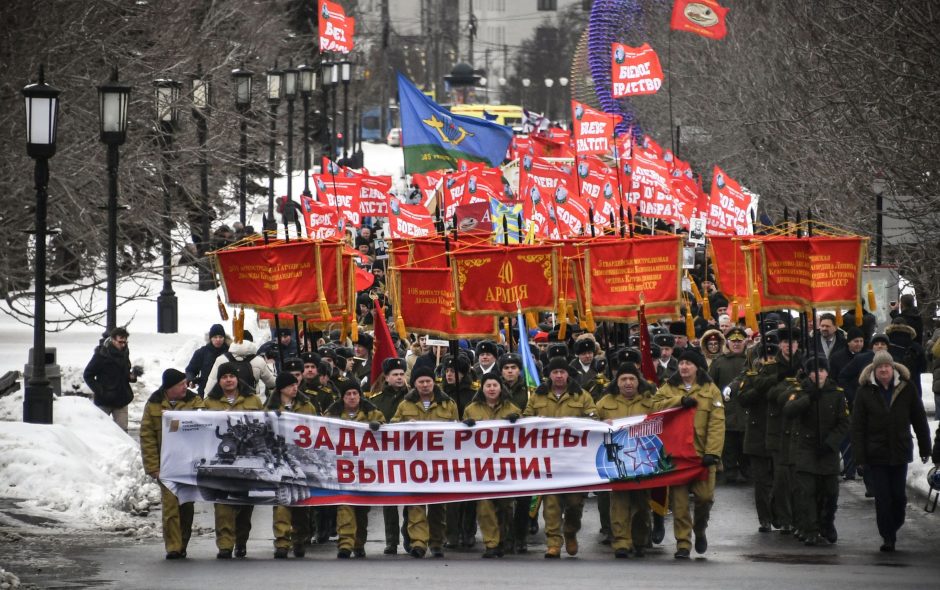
{"points": [[83, 470]]}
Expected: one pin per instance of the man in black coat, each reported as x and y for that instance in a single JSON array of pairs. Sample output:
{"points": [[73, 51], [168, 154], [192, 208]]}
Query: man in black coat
{"points": [[202, 361], [109, 376]]}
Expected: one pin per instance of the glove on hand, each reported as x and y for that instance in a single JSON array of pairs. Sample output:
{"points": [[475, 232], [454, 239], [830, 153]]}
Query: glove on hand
{"points": [[689, 402], [512, 417], [709, 460], [374, 426], [470, 422]]}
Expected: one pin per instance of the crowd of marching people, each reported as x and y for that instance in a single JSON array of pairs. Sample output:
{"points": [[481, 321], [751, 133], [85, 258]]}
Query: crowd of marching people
{"points": [[789, 409]]}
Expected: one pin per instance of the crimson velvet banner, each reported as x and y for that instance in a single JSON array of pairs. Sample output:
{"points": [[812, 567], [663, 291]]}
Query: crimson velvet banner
{"points": [[283, 276], [620, 275], [299, 460], [814, 271], [496, 281], [425, 299], [736, 262]]}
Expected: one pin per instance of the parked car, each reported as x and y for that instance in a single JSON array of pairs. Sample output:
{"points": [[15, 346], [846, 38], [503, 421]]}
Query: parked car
{"points": [[394, 137]]}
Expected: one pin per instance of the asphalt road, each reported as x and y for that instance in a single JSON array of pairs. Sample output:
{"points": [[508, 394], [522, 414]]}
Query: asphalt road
{"points": [[737, 554]]}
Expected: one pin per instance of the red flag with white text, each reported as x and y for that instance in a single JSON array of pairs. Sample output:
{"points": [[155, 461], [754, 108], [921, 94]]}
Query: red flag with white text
{"points": [[593, 129], [335, 29], [634, 70]]}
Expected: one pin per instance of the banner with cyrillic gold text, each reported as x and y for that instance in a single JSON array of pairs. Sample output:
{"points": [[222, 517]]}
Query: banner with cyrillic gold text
{"points": [[425, 299], [499, 280], [814, 271], [621, 274]]}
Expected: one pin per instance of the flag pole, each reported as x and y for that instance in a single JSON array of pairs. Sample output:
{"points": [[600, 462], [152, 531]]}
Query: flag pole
{"points": [[672, 142]]}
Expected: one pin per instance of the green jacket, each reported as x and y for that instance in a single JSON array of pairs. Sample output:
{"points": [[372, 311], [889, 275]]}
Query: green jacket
{"points": [[573, 403], [615, 405], [478, 409], [820, 418], [442, 408], [754, 404], [366, 413], [151, 424], [709, 421], [519, 393], [724, 370], [388, 399]]}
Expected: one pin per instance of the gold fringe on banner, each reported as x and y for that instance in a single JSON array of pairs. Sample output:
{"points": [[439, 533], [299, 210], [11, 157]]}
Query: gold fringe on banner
{"points": [[562, 318], [689, 324], [707, 309], [872, 304], [839, 317], [238, 326], [531, 320], [733, 312], [755, 302], [750, 318], [859, 314], [695, 292], [589, 320], [354, 327], [222, 311]]}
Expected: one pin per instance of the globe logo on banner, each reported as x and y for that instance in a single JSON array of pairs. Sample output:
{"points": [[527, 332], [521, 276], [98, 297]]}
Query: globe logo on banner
{"points": [[625, 457]]}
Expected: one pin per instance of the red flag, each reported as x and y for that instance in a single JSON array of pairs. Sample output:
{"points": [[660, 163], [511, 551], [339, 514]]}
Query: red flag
{"points": [[382, 345], [335, 29], [593, 129], [729, 207], [702, 17], [634, 70], [646, 353]]}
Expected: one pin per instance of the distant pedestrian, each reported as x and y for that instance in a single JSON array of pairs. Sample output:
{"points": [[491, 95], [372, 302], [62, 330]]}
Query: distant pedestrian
{"points": [[109, 376], [203, 360]]}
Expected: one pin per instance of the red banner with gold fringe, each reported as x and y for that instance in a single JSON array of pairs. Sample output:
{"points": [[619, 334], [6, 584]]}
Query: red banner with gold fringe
{"points": [[425, 298], [496, 281], [618, 273], [819, 271]]}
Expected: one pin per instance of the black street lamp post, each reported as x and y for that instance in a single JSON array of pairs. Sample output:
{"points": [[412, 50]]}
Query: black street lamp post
{"points": [[42, 112], [166, 99], [326, 81], [112, 119], [346, 74], [275, 79], [291, 75], [201, 105], [308, 81], [242, 79]]}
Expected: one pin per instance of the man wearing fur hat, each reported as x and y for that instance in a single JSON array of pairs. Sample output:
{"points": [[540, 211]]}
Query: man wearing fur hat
{"points": [[202, 361], [625, 399], [425, 403], [177, 518], [487, 352], [352, 522], [232, 522], [691, 387], [582, 366], [819, 417], [561, 397], [887, 407], [666, 364], [387, 400], [291, 525]]}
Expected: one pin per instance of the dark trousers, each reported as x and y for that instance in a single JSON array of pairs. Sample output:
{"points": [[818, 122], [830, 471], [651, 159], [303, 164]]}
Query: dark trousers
{"points": [[817, 498], [848, 457], [461, 523], [390, 515], [762, 473], [519, 530], [888, 482], [732, 456]]}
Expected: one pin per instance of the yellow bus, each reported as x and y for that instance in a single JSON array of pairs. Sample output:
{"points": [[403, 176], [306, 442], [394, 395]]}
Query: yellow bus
{"points": [[506, 114]]}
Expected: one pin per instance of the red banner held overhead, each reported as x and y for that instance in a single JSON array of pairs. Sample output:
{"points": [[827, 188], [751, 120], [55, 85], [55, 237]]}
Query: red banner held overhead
{"points": [[729, 208], [342, 192], [321, 220], [814, 271], [495, 281], [373, 195], [702, 17], [593, 129], [335, 29], [651, 186], [635, 70], [283, 276], [622, 274], [409, 221], [426, 298]]}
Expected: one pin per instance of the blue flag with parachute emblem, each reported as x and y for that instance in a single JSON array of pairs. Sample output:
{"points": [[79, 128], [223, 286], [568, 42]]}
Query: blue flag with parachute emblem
{"points": [[433, 138]]}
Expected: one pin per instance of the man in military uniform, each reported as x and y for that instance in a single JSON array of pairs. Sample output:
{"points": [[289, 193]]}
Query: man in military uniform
{"points": [[492, 402], [753, 399], [352, 522], [726, 371], [426, 403], [487, 353], [291, 524], [510, 367], [582, 366], [232, 522], [821, 419], [789, 359], [177, 518], [691, 387], [387, 401], [459, 386], [626, 507], [560, 397], [666, 364]]}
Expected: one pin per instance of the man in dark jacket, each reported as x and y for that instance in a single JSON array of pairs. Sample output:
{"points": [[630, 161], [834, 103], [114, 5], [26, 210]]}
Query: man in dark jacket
{"points": [[202, 361], [820, 421], [911, 315], [109, 376], [887, 406], [726, 371], [387, 400], [905, 349]]}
